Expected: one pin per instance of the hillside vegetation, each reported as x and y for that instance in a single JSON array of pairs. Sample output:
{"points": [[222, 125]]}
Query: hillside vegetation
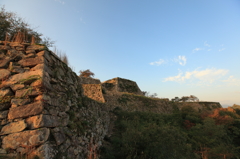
{"points": [[185, 134]]}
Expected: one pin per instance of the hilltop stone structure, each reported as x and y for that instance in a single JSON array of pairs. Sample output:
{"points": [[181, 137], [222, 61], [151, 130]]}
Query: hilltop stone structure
{"points": [[47, 111], [122, 85]]}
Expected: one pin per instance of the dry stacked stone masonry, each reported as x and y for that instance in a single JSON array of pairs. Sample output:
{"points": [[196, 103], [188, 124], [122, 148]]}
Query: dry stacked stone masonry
{"points": [[43, 110]]}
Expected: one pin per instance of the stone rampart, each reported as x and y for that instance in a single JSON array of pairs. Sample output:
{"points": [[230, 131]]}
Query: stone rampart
{"points": [[93, 91], [122, 85], [43, 112], [88, 80]]}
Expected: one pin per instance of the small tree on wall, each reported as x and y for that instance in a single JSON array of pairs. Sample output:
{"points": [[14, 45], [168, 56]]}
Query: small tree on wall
{"points": [[86, 73]]}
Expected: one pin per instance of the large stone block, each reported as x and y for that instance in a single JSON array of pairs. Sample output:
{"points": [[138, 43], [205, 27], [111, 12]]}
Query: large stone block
{"points": [[59, 135], [36, 48], [6, 92], [47, 150], [26, 138], [4, 74], [17, 87], [4, 106], [13, 127], [42, 67], [16, 102], [39, 121], [3, 114], [4, 62], [26, 110], [21, 77], [30, 62], [26, 92]]}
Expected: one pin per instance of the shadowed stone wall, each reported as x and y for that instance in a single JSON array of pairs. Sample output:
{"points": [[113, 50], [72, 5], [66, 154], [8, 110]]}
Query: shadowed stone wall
{"points": [[43, 111]]}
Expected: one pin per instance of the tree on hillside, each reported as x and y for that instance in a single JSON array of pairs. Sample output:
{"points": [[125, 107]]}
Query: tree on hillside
{"points": [[190, 98], [11, 25], [86, 73]]}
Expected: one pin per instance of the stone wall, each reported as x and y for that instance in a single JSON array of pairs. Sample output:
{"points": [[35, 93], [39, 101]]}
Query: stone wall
{"points": [[42, 109], [132, 102], [122, 85], [89, 80], [93, 91]]}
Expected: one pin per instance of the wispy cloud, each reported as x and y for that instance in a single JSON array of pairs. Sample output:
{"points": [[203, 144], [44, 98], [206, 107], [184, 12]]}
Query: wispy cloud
{"points": [[159, 62], [203, 76], [197, 49], [221, 49], [206, 44], [182, 60], [232, 81], [62, 2]]}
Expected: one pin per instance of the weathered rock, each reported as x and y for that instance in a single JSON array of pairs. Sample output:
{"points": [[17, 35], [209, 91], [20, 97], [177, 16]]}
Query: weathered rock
{"points": [[31, 52], [4, 105], [26, 110], [19, 102], [6, 92], [26, 92], [16, 44], [5, 47], [37, 48], [20, 48], [16, 55], [3, 114], [37, 83], [17, 87], [4, 73], [43, 97], [18, 78], [59, 135], [26, 138], [4, 62], [17, 69], [13, 127], [45, 151], [42, 67], [65, 145], [39, 121], [31, 55], [30, 62]]}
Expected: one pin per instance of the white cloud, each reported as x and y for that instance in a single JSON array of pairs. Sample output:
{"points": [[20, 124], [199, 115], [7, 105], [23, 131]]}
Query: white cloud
{"points": [[232, 81], [181, 60], [221, 49], [209, 49], [159, 62], [206, 44], [204, 76], [197, 49]]}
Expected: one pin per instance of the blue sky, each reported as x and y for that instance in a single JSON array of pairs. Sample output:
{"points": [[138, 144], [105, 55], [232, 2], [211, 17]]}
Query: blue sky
{"points": [[171, 47]]}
